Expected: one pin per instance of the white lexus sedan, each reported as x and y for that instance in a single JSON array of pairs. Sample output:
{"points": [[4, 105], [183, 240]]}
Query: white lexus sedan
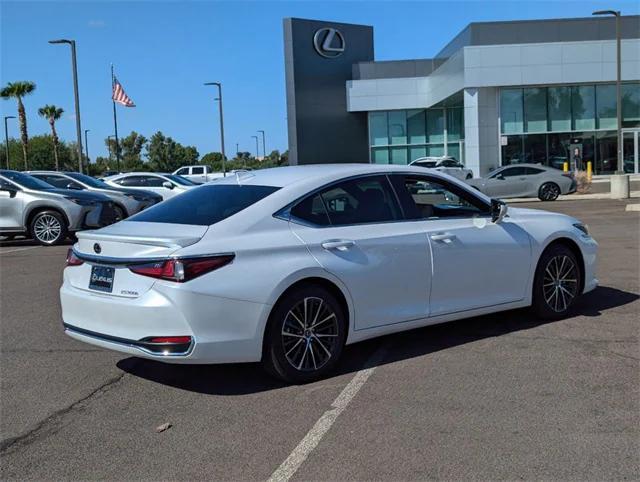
{"points": [[167, 185], [287, 265]]}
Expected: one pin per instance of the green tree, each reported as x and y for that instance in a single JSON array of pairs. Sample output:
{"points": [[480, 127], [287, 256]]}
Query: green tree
{"points": [[17, 90], [166, 155], [52, 114], [131, 151], [213, 160]]}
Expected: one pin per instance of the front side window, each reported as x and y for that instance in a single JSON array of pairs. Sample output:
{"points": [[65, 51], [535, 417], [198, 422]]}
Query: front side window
{"points": [[428, 198], [153, 181], [205, 205], [131, 181], [183, 171], [26, 181], [513, 172]]}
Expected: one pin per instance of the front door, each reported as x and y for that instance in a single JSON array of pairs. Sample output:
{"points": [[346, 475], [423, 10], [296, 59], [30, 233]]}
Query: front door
{"points": [[476, 263], [10, 207], [355, 231]]}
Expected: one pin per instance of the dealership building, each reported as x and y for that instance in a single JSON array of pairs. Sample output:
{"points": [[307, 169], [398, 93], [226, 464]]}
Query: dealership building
{"points": [[498, 93]]}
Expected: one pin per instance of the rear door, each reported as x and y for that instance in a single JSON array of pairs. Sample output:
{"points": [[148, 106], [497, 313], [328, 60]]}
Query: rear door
{"points": [[355, 230], [476, 263]]}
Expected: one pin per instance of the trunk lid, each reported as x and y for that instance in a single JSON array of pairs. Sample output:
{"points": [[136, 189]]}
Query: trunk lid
{"points": [[120, 245]]}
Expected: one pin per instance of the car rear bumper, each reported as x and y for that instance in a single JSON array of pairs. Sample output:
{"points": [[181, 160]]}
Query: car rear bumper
{"points": [[222, 330]]}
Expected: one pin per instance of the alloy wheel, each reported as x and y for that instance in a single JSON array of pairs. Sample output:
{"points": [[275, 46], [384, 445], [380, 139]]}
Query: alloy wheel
{"points": [[310, 334], [47, 228], [549, 192], [560, 283]]}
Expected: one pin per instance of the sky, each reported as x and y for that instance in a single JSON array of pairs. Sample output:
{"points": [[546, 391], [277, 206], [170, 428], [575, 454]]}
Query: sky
{"points": [[164, 51]]}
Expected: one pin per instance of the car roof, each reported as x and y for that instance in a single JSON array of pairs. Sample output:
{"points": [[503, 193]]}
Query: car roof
{"points": [[287, 175]]}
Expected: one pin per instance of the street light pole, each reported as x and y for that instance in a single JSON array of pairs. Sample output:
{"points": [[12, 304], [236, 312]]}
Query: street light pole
{"points": [[6, 137], [219, 99], [74, 65], [264, 149], [86, 146], [257, 152]]}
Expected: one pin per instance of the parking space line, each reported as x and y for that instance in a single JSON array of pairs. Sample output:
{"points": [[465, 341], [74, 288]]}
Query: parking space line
{"points": [[19, 249], [311, 440]]}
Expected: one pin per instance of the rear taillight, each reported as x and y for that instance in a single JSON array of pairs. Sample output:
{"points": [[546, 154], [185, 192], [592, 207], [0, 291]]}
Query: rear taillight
{"points": [[181, 270], [72, 259]]}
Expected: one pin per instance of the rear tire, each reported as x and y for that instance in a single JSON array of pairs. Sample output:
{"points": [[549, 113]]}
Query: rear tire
{"points": [[549, 191], [120, 213], [48, 228], [305, 335], [557, 283]]}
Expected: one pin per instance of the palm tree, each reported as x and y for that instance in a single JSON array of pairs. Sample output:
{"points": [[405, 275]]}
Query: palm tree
{"points": [[18, 90], [52, 113]]}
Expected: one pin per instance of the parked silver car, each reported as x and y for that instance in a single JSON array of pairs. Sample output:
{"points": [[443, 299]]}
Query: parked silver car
{"points": [[447, 164], [31, 207], [526, 180], [126, 201]]}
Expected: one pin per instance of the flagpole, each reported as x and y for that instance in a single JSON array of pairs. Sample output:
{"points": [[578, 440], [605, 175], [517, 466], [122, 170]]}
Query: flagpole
{"points": [[115, 120]]}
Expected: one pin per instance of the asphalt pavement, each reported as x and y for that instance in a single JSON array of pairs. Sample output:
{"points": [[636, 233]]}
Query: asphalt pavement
{"points": [[503, 396]]}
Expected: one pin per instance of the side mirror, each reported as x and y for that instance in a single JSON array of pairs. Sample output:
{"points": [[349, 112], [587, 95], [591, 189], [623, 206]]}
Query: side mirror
{"points": [[12, 192], [498, 210], [167, 184]]}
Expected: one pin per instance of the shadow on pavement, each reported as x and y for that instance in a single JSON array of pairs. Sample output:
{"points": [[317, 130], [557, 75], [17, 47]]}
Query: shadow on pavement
{"points": [[19, 242], [245, 378]]}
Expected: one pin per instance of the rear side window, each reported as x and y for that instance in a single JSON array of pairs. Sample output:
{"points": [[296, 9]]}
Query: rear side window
{"points": [[532, 171], [197, 170], [356, 201], [204, 205]]}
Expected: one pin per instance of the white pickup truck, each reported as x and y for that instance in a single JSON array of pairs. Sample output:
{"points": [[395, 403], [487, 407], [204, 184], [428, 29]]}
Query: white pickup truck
{"points": [[198, 174]]}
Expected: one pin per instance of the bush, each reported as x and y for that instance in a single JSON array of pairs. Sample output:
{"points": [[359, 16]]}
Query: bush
{"points": [[583, 182]]}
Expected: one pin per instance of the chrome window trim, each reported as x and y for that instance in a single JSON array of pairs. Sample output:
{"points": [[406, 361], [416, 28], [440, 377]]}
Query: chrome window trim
{"points": [[285, 212]]}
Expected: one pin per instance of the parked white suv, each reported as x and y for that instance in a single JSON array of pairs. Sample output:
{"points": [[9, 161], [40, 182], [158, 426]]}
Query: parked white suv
{"points": [[198, 174], [447, 164]]}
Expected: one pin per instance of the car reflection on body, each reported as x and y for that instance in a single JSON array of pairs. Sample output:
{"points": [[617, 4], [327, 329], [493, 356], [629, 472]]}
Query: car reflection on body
{"points": [[287, 265]]}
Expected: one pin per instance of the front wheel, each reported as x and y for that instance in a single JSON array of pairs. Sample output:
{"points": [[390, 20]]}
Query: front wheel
{"points": [[549, 191], [48, 228], [305, 336], [557, 283]]}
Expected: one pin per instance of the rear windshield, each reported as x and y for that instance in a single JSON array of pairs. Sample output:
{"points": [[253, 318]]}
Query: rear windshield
{"points": [[180, 180], [426, 164], [205, 205]]}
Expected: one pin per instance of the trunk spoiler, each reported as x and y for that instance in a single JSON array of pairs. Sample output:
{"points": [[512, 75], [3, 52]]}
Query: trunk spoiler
{"points": [[163, 241]]}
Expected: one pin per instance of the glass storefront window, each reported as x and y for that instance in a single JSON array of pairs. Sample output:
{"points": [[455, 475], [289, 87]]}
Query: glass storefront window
{"points": [[455, 124], [511, 111], [435, 150], [606, 106], [453, 150], [535, 109], [583, 107], [559, 105], [631, 105], [417, 153], [416, 126], [397, 127], [398, 155], [378, 135], [512, 152], [535, 148], [435, 125], [607, 160], [380, 155]]}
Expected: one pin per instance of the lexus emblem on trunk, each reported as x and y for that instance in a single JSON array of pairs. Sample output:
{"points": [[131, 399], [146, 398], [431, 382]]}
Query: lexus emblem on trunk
{"points": [[329, 42], [97, 248]]}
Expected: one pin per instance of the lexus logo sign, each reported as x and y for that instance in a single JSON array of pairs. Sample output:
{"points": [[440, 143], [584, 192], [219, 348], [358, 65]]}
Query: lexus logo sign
{"points": [[328, 42]]}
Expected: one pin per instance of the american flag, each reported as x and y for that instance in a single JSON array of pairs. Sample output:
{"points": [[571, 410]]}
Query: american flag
{"points": [[120, 96]]}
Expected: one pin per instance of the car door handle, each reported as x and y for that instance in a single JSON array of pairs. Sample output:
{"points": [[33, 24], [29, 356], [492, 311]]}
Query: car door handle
{"points": [[443, 237], [340, 244]]}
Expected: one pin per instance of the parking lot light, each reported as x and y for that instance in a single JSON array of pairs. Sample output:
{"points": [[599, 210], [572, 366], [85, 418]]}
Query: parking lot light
{"points": [[219, 99]]}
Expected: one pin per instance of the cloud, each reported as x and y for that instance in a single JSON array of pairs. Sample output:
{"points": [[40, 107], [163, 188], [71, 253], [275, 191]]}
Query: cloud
{"points": [[96, 23]]}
